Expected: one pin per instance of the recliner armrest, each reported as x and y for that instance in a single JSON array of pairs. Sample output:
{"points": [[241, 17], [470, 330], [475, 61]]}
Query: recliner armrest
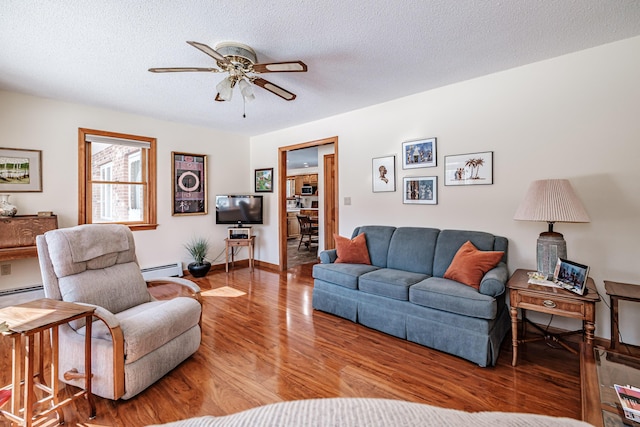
{"points": [[103, 314], [494, 281], [179, 281]]}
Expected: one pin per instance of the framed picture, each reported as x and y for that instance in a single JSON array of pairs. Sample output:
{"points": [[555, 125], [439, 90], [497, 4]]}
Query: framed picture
{"points": [[420, 190], [469, 169], [264, 180], [20, 170], [571, 276], [383, 174], [189, 174], [419, 153]]}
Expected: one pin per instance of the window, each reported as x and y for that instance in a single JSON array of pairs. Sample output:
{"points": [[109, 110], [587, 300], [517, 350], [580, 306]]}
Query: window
{"points": [[117, 179]]}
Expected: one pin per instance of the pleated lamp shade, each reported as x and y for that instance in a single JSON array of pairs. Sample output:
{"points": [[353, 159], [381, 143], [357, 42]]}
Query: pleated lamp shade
{"points": [[551, 201]]}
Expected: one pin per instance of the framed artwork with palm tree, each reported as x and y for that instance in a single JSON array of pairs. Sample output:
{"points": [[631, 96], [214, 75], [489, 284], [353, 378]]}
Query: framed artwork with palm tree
{"points": [[469, 169]]}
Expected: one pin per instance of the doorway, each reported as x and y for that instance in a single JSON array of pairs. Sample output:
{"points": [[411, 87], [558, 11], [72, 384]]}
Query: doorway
{"points": [[327, 202]]}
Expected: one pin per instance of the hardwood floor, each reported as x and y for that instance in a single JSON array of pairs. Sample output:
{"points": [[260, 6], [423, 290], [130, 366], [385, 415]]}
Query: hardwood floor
{"points": [[269, 345]]}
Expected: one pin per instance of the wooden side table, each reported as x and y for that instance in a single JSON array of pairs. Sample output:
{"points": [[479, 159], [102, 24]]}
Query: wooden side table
{"points": [[28, 322], [234, 242], [619, 291], [550, 300]]}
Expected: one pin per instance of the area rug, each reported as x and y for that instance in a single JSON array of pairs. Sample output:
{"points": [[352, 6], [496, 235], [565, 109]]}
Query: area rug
{"points": [[362, 412], [225, 291]]}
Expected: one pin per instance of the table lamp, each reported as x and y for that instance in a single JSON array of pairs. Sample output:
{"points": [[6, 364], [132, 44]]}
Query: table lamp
{"points": [[551, 200]]}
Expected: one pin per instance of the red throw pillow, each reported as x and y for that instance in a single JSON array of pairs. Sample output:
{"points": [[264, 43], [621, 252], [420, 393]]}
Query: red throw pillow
{"points": [[352, 251], [470, 265]]}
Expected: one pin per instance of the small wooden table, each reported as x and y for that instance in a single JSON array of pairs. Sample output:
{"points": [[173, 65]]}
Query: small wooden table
{"points": [[27, 322], [619, 291], [233, 243], [550, 300]]}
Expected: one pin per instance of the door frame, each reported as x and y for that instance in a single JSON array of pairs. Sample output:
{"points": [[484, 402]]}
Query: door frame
{"points": [[282, 191]]}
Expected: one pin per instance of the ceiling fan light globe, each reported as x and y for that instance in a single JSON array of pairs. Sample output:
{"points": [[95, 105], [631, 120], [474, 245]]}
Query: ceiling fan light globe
{"points": [[246, 90], [225, 89]]}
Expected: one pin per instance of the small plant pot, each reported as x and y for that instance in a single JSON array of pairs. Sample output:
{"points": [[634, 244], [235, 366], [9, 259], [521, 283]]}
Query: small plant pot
{"points": [[199, 270]]}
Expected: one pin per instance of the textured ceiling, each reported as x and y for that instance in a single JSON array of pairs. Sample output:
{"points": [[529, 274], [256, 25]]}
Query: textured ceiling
{"points": [[359, 53]]}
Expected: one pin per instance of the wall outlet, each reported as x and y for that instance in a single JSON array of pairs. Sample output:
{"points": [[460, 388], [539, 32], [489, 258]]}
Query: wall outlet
{"points": [[5, 269], [347, 201]]}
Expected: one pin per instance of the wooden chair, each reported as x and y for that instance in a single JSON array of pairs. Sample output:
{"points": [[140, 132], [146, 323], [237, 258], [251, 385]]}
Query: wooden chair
{"points": [[308, 230]]}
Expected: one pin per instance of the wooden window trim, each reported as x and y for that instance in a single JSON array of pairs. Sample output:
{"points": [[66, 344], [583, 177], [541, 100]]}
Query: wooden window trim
{"points": [[84, 160]]}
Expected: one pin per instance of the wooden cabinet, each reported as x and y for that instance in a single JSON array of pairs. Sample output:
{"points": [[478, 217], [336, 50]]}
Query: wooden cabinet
{"points": [[300, 180], [293, 228], [311, 179], [18, 235]]}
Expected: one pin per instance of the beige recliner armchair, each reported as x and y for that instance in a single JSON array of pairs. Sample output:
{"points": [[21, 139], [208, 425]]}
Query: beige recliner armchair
{"points": [[136, 338]]}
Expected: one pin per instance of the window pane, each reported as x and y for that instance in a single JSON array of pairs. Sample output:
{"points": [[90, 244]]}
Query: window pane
{"points": [[121, 158], [117, 203]]}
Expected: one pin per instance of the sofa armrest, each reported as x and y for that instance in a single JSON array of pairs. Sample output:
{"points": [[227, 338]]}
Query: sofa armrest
{"points": [[494, 281], [329, 256]]}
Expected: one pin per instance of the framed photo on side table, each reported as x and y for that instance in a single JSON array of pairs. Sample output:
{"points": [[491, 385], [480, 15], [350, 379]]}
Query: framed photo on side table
{"points": [[420, 190], [419, 153], [264, 180], [571, 276], [189, 173], [383, 174], [20, 170]]}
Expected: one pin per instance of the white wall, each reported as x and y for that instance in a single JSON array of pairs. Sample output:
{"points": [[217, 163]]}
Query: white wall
{"points": [[52, 126], [574, 117]]}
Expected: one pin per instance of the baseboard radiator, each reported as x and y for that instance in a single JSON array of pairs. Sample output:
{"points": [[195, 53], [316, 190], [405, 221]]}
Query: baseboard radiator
{"points": [[167, 270], [15, 296]]}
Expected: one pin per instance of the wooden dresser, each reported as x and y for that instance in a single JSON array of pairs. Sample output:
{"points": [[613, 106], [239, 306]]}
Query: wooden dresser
{"points": [[18, 235]]}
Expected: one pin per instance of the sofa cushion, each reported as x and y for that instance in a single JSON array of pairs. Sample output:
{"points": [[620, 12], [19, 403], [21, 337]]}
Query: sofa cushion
{"points": [[469, 264], [352, 251], [449, 241], [388, 282], [378, 240], [412, 249], [341, 274], [449, 295]]}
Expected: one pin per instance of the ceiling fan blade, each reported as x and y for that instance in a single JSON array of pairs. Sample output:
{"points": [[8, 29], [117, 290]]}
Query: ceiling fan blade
{"points": [[182, 69], [280, 67], [211, 52], [218, 98], [282, 93]]}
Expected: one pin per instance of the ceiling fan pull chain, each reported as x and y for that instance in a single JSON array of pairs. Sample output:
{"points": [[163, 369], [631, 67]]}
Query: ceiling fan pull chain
{"points": [[244, 108]]}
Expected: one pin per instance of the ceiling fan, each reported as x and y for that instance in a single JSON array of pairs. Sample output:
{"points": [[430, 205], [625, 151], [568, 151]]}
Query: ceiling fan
{"points": [[240, 62]]}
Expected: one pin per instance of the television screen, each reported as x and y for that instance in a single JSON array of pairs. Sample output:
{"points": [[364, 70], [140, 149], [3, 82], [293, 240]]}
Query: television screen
{"points": [[238, 209]]}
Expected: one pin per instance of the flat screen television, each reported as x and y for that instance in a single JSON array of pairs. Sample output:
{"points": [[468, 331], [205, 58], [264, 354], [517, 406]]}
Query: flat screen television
{"points": [[239, 209]]}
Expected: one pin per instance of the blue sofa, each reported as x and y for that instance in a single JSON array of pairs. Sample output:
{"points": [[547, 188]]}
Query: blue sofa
{"points": [[403, 292]]}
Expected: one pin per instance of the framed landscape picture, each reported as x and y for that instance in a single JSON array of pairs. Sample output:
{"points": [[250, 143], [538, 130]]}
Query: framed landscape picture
{"points": [[420, 190], [419, 153], [189, 174], [264, 180], [469, 169], [20, 170], [383, 174]]}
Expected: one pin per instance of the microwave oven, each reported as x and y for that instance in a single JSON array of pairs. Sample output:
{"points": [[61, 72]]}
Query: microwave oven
{"points": [[308, 190]]}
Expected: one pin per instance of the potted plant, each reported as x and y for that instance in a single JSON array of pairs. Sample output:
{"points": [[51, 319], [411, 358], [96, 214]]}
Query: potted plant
{"points": [[198, 248]]}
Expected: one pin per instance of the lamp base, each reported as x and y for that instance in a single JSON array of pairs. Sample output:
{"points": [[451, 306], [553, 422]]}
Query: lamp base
{"points": [[551, 246]]}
